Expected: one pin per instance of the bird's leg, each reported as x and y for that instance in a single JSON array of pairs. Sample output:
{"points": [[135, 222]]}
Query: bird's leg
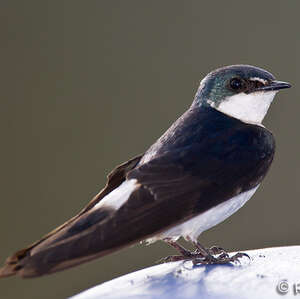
{"points": [[184, 253], [179, 248], [206, 255]]}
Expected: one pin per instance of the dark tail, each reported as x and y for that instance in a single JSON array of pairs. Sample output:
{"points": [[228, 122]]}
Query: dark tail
{"points": [[80, 241], [86, 236]]}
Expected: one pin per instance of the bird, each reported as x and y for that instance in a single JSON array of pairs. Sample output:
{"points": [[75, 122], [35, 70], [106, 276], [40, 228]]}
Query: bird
{"points": [[204, 168]]}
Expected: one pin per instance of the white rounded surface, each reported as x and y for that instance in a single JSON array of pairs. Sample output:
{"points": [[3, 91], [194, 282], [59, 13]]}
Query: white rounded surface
{"points": [[271, 273]]}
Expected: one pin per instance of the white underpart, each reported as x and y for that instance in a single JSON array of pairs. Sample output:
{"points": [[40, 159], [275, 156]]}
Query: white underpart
{"points": [[195, 226], [116, 198], [249, 108]]}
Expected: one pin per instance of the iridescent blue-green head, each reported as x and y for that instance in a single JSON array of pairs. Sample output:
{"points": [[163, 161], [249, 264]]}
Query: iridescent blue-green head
{"points": [[242, 91]]}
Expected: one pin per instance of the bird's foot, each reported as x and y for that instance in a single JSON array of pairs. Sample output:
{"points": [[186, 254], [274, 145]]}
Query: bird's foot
{"points": [[202, 255], [223, 258]]}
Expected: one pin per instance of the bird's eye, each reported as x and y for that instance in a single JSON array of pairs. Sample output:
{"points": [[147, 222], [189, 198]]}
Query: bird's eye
{"points": [[258, 84], [236, 83]]}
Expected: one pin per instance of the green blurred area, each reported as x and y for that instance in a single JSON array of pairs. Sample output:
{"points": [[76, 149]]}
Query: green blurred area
{"points": [[85, 85]]}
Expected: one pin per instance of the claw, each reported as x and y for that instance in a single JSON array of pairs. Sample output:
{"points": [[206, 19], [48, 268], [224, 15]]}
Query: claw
{"points": [[246, 255], [239, 255]]}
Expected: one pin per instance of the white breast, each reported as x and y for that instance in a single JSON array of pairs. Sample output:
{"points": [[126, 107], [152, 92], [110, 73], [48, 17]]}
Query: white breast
{"points": [[195, 226], [249, 108]]}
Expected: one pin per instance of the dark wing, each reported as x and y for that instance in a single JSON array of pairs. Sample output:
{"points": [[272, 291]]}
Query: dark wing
{"points": [[179, 185], [114, 179]]}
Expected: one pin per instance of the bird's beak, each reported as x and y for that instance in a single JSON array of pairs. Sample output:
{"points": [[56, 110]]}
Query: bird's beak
{"points": [[274, 85]]}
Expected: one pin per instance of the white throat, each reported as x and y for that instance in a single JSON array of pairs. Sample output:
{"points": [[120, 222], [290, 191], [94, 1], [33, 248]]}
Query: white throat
{"points": [[249, 108]]}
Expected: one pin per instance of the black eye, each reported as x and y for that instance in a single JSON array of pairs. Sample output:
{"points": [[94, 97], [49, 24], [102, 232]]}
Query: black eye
{"points": [[236, 83], [258, 84]]}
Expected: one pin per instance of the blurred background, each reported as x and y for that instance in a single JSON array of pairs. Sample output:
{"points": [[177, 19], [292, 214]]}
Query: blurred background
{"points": [[88, 84]]}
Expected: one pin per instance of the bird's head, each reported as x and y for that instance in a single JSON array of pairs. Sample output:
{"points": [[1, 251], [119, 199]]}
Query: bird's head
{"points": [[241, 91]]}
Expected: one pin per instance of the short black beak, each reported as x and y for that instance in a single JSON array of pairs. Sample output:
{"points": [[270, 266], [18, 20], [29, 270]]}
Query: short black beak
{"points": [[274, 85]]}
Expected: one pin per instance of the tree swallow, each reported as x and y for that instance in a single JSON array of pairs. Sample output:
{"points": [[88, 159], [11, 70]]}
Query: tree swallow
{"points": [[204, 168]]}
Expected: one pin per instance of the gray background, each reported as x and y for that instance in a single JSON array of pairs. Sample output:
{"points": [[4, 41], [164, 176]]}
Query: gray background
{"points": [[86, 85]]}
